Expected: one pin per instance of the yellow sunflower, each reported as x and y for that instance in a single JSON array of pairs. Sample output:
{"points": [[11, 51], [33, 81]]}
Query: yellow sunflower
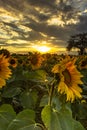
{"points": [[36, 60], [70, 78], [5, 72]]}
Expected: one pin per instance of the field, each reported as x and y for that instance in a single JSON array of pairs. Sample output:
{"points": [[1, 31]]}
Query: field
{"points": [[43, 92]]}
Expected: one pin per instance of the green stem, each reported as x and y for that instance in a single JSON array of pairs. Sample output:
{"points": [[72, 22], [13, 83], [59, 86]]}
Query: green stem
{"points": [[51, 95]]}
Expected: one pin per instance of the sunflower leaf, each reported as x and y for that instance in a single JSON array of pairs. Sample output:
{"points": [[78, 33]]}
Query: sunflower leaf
{"points": [[50, 118], [77, 125], [23, 121], [36, 76], [7, 114], [27, 100], [59, 120]]}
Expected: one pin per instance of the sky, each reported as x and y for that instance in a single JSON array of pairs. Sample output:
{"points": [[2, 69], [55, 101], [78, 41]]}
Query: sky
{"points": [[27, 25]]}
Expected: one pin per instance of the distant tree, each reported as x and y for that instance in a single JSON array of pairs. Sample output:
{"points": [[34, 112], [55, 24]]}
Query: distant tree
{"points": [[78, 41], [5, 52]]}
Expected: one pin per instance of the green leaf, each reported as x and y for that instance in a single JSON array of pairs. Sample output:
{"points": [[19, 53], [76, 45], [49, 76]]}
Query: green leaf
{"points": [[77, 125], [26, 114], [27, 127], [23, 120], [37, 75], [56, 102], [65, 118], [18, 124], [44, 100], [41, 73], [11, 91], [50, 118], [59, 120], [7, 114], [34, 95], [31, 127], [27, 100]]}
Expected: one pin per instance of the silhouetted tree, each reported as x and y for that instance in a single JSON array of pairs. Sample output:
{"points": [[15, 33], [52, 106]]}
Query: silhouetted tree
{"points": [[5, 52], [78, 41]]}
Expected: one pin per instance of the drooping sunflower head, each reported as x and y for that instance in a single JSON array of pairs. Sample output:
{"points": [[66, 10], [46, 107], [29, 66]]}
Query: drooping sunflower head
{"points": [[36, 60], [82, 64], [70, 78], [5, 72]]}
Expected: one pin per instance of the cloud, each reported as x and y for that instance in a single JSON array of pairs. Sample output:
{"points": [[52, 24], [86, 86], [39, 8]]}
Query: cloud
{"points": [[82, 26], [41, 20], [50, 4]]}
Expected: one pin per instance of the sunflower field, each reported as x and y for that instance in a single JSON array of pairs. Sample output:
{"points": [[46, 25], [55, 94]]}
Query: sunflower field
{"points": [[43, 91]]}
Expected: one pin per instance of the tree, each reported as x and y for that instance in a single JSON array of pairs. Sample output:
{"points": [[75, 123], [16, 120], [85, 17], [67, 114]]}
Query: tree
{"points": [[78, 41], [5, 52]]}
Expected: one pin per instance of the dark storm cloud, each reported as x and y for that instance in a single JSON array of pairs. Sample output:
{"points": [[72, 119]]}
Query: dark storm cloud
{"points": [[12, 25], [12, 4], [51, 6], [43, 17], [65, 6], [82, 26], [35, 36], [50, 30], [42, 3]]}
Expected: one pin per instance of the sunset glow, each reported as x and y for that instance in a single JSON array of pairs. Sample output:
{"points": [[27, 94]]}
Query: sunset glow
{"points": [[43, 49], [43, 26]]}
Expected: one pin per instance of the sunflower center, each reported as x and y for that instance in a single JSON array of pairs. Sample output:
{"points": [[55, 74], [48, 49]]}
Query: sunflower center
{"points": [[12, 61], [84, 63], [67, 77]]}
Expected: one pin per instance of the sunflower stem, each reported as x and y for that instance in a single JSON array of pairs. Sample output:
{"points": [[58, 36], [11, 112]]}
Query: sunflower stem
{"points": [[51, 91]]}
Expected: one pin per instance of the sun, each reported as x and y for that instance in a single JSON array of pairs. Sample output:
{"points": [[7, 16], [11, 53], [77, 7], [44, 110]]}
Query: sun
{"points": [[43, 49]]}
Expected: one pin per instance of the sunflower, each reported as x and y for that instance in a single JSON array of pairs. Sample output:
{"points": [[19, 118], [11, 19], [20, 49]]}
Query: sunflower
{"points": [[70, 78], [82, 64], [13, 62], [5, 72], [36, 60]]}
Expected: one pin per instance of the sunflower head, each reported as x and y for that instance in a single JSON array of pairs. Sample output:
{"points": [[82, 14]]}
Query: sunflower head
{"points": [[70, 78], [82, 64], [36, 60], [5, 72], [13, 62]]}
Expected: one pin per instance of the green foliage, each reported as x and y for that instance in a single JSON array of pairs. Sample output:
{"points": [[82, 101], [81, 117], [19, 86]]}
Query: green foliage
{"points": [[77, 125], [50, 119], [27, 99], [10, 92], [7, 114], [25, 120], [59, 120], [37, 75]]}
